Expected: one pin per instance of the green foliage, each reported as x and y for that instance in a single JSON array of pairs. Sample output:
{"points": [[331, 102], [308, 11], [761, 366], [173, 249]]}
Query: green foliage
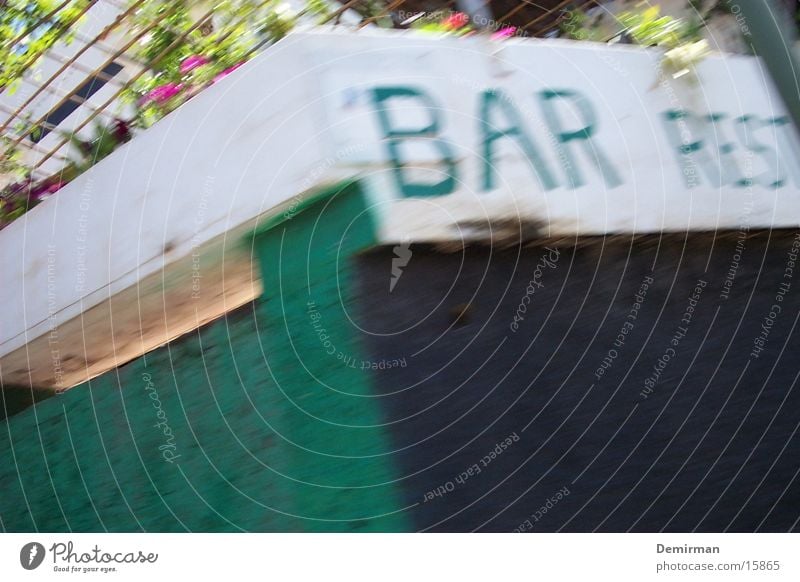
{"points": [[105, 139], [182, 57], [28, 30], [456, 24], [682, 39], [10, 159], [373, 11], [576, 25], [236, 30], [319, 9], [649, 28], [13, 196]]}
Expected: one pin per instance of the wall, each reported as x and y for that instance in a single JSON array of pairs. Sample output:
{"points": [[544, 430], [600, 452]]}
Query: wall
{"points": [[251, 418], [634, 372], [430, 407], [225, 429], [89, 459]]}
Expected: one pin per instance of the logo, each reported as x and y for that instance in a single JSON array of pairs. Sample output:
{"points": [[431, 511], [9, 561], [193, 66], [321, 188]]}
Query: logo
{"points": [[31, 555], [402, 254]]}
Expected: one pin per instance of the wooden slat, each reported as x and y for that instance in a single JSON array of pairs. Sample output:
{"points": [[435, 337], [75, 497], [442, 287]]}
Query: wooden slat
{"points": [[73, 22], [117, 21], [99, 70], [200, 22]]}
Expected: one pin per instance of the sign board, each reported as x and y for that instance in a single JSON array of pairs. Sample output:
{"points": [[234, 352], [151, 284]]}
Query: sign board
{"points": [[570, 138]]}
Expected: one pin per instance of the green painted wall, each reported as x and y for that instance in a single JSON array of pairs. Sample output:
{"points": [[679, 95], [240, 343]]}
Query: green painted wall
{"points": [[338, 452], [230, 427]]}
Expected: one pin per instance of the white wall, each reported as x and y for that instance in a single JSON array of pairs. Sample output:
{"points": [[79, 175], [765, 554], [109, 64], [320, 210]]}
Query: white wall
{"points": [[110, 261], [628, 99]]}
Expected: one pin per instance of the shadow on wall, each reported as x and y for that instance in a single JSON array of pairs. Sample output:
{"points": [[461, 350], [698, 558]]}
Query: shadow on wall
{"points": [[16, 399]]}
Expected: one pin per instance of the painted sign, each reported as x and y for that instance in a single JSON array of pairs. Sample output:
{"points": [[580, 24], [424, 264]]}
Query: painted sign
{"points": [[569, 138]]}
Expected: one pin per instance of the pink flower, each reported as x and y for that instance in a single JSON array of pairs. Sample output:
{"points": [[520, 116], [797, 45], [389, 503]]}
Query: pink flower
{"points": [[42, 191], [39, 191], [53, 188], [227, 72], [162, 93], [506, 32], [193, 62], [456, 21]]}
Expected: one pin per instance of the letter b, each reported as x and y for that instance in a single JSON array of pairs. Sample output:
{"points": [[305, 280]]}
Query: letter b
{"points": [[394, 136]]}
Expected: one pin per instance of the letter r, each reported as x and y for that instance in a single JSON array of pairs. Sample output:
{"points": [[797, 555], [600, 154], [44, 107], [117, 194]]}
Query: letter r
{"points": [[583, 107]]}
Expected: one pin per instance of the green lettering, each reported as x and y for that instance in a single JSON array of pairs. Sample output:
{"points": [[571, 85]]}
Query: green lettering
{"points": [[745, 126], [788, 147], [394, 136], [584, 135], [493, 98], [691, 152], [729, 171]]}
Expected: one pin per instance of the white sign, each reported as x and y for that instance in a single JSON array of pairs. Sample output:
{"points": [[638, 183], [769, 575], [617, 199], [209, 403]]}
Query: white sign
{"points": [[565, 137]]}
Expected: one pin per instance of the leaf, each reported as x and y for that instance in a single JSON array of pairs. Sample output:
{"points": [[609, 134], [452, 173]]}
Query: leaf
{"points": [[651, 13]]}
